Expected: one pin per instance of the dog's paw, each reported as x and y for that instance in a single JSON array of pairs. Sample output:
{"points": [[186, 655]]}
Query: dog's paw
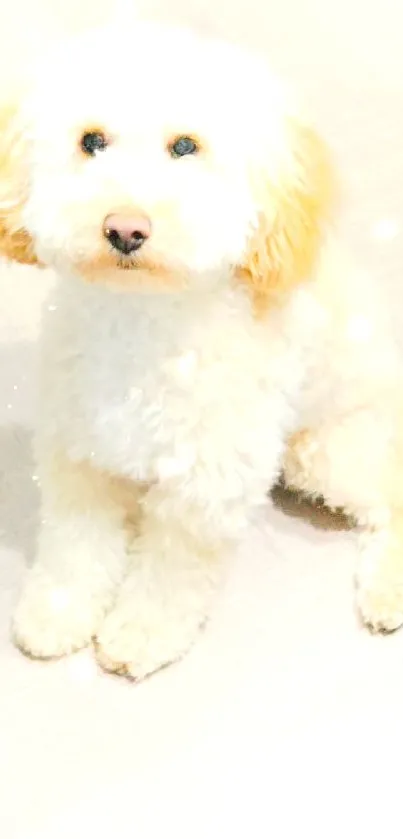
{"points": [[380, 603], [136, 643], [53, 620], [379, 582]]}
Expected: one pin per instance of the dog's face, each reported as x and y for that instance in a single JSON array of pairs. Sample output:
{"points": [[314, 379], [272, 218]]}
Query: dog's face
{"points": [[161, 157]]}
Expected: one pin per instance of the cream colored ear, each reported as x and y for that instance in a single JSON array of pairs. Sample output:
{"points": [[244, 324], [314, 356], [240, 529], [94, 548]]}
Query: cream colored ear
{"points": [[15, 242], [286, 244]]}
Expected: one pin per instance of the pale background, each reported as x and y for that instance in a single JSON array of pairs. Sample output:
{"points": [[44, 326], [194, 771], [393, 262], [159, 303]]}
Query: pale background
{"points": [[287, 718]]}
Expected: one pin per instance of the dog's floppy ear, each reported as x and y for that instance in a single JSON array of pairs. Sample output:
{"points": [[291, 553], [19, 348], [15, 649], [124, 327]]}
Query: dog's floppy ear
{"points": [[15, 242], [292, 214]]}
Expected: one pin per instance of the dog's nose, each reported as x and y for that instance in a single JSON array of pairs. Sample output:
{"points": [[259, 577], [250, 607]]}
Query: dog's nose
{"points": [[126, 233]]}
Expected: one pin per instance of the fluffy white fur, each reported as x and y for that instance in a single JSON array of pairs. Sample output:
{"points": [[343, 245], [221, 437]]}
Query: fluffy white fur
{"points": [[239, 345]]}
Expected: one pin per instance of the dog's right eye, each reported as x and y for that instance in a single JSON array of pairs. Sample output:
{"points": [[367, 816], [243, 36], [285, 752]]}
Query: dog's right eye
{"points": [[93, 141]]}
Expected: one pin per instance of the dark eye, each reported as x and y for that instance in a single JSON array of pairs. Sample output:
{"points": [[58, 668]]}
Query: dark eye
{"points": [[182, 146], [93, 141]]}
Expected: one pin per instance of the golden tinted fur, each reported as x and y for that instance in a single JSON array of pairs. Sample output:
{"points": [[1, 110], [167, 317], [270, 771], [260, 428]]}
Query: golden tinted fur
{"points": [[15, 242], [283, 250]]}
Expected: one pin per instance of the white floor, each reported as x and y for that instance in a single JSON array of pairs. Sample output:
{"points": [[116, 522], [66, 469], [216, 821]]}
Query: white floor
{"points": [[287, 718]]}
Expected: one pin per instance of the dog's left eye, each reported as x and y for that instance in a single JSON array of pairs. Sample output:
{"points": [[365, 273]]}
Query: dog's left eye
{"points": [[182, 146], [93, 141]]}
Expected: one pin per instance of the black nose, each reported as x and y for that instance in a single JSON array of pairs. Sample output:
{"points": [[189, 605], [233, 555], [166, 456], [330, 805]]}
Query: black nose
{"points": [[125, 242]]}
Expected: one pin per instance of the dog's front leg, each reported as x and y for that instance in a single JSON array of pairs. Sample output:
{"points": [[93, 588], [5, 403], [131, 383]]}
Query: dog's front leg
{"points": [[81, 558], [176, 568]]}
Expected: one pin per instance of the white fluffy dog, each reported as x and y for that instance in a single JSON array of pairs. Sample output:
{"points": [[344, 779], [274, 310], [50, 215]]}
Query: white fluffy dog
{"points": [[206, 334]]}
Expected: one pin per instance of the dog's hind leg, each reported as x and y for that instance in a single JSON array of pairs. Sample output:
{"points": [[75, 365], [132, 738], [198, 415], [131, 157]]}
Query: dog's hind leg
{"points": [[356, 464]]}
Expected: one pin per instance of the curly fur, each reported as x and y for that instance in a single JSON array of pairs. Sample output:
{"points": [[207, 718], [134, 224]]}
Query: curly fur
{"points": [[239, 344]]}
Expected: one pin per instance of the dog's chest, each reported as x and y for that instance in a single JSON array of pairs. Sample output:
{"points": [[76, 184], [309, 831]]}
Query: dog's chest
{"points": [[140, 385], [137, 384]]}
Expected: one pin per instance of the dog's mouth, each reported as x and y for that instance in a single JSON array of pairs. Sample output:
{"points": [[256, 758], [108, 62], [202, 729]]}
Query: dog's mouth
{"points": [[111, 259], [127, 264], [129, 270], [130, 262]]}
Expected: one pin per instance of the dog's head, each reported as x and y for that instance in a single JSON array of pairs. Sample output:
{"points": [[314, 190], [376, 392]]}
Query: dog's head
{"points": [[170, 156]]}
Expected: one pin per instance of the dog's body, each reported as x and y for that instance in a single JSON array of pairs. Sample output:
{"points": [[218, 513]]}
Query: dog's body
{"points": [[137, 380], [241, 344]]}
